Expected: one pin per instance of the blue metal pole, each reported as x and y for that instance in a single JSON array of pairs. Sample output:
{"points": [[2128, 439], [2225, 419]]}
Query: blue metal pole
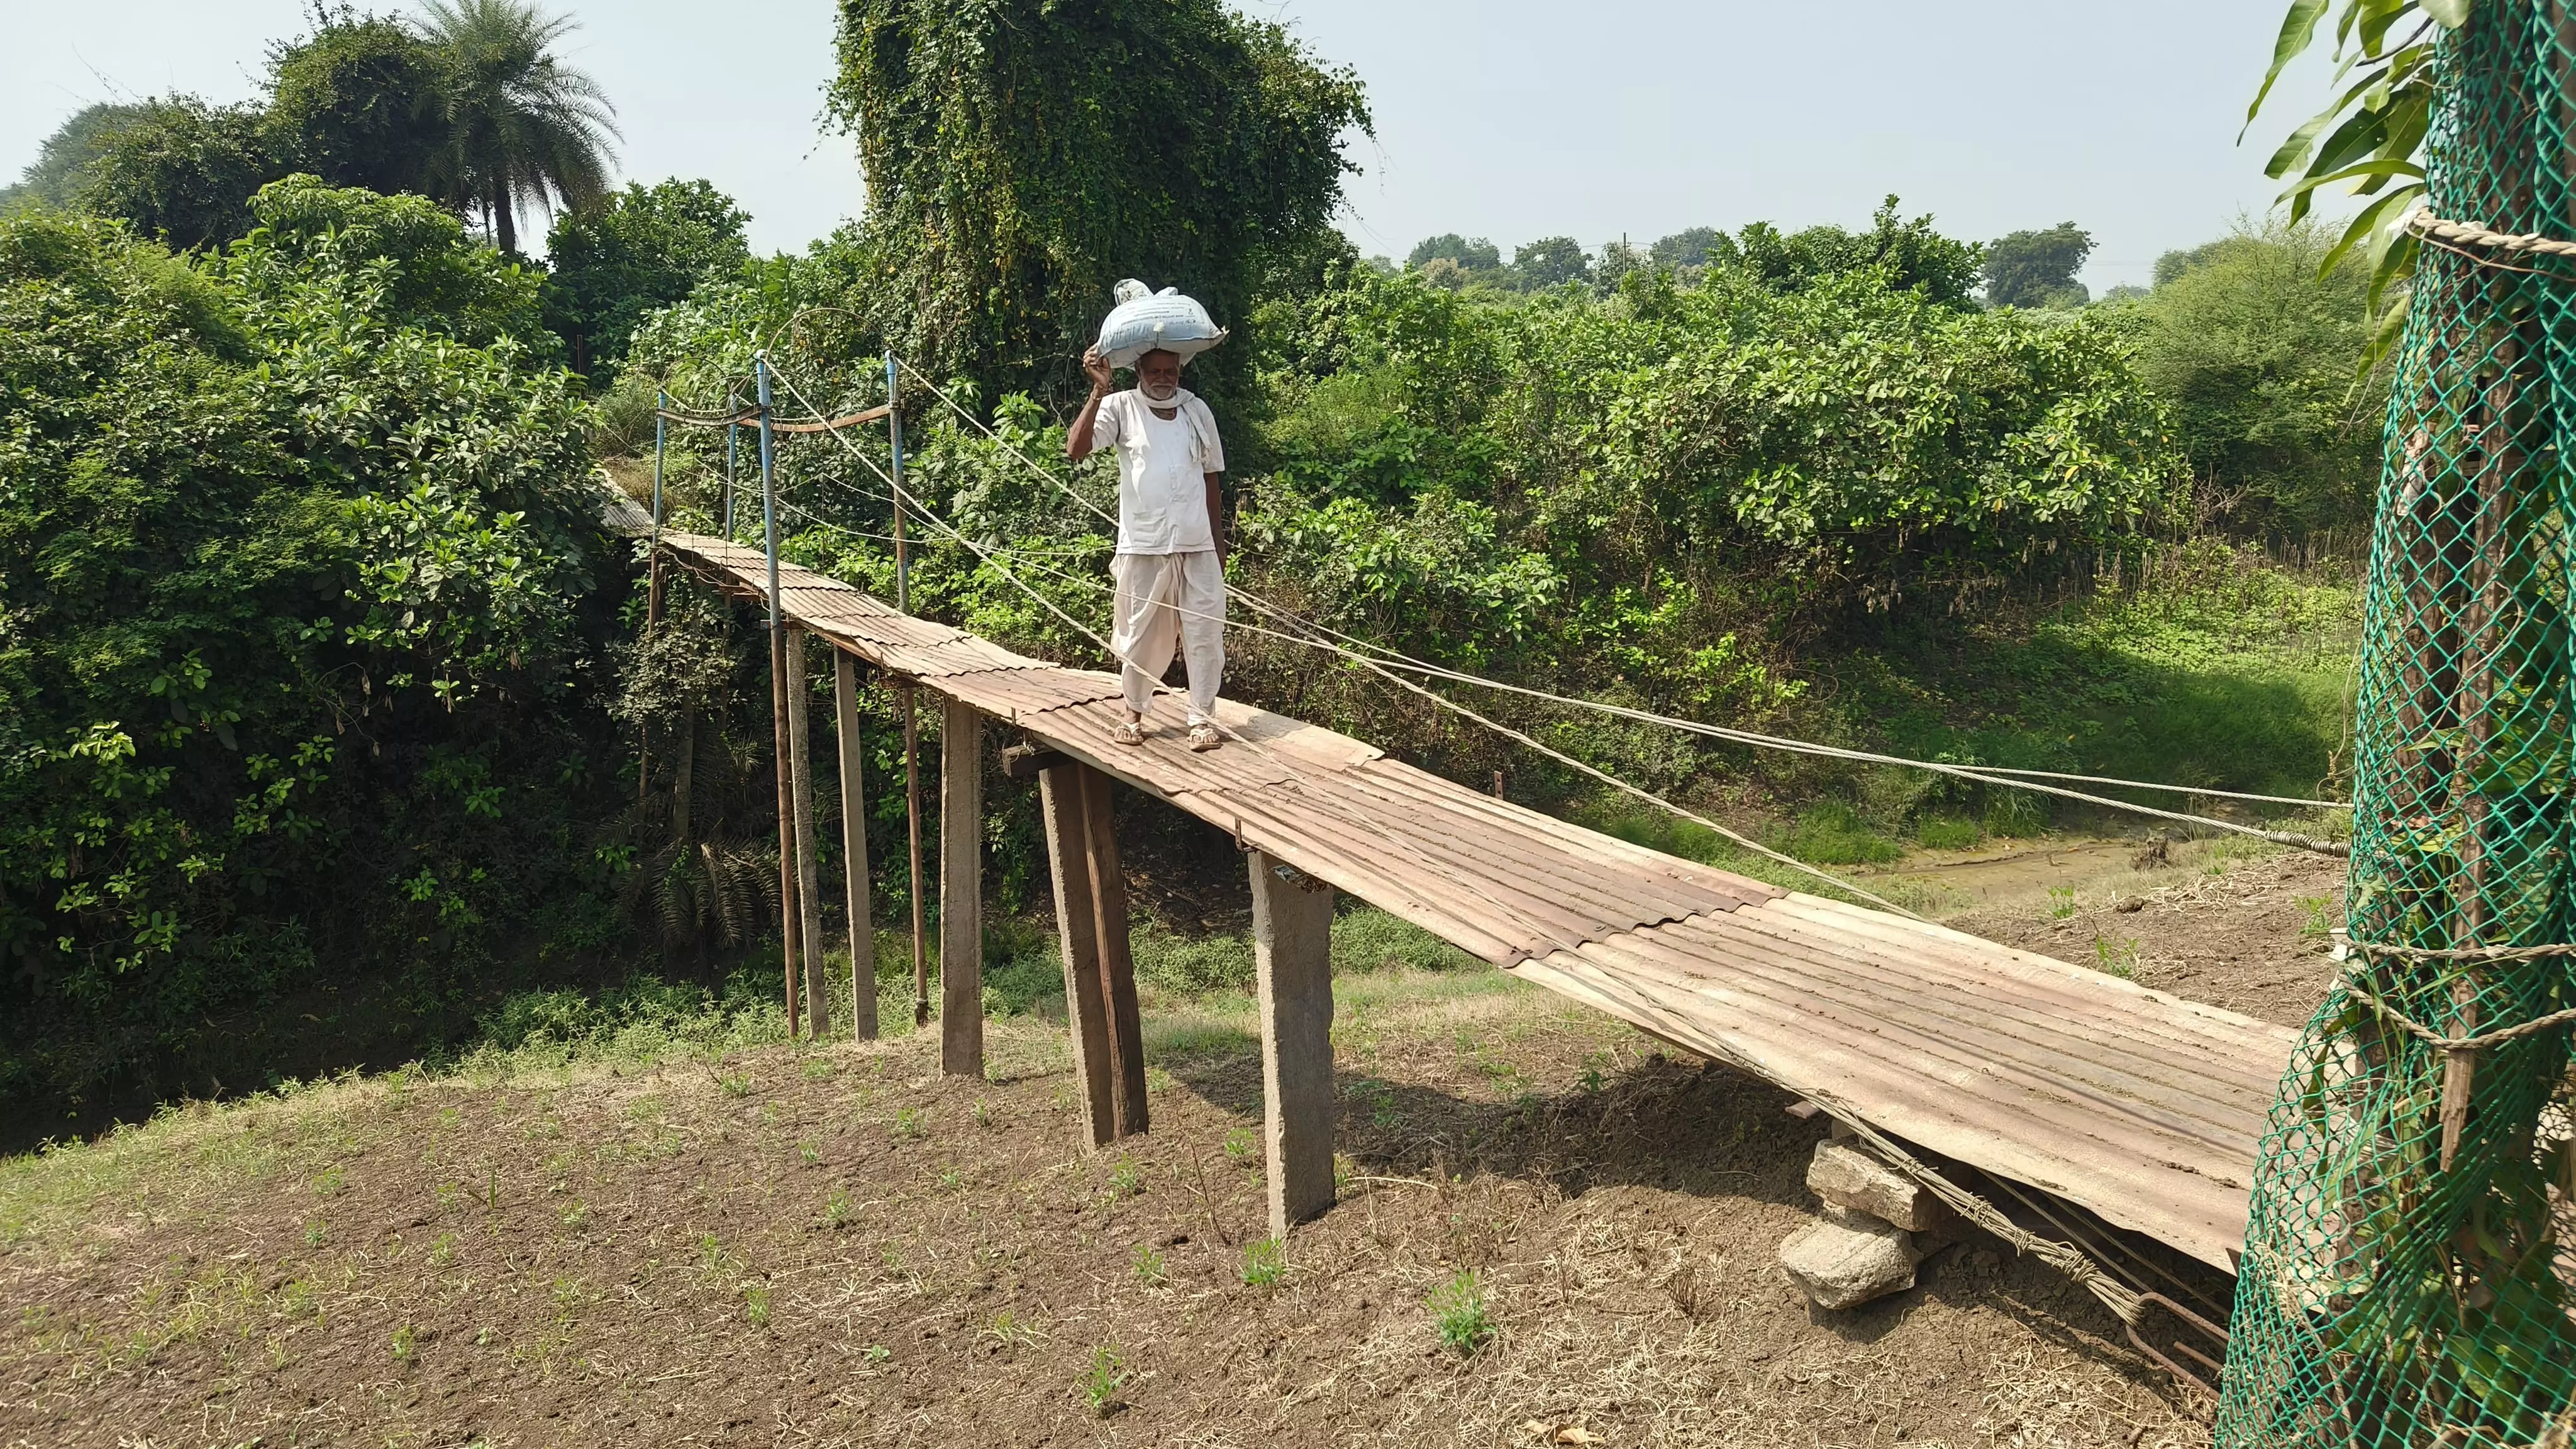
{"points": [[733, 446], [778, 687], [894, 430], [768, 489]]}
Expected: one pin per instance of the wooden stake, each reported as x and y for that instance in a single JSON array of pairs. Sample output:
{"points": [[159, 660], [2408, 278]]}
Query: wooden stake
{"points": [[2476, 709], [777, 691], [809, 887], [1292, 954], [787, 912], [1060, 790], [854, 851], [912, 823], [961, 891], [1117, 964]]}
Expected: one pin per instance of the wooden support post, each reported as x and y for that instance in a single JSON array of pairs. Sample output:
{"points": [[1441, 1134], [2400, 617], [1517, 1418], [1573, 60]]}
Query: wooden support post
{"points": [[1117, 965], [809, 871], [1060, 799], [787, 923], [1292, 953], [912, 882], [961, 891], [854, 851]]}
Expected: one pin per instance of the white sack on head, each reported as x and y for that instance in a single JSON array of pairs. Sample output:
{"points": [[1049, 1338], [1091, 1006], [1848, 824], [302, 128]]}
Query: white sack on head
{"points": [[1145, 320]]}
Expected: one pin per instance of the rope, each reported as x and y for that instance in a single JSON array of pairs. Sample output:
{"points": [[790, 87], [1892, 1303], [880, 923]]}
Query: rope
{"points": [[1379, 659], [2424, 223], [1443, 701], [2353, 982], [2123, 1300], [702, 420], [1981, 774], [2119, 1297], [1322, 800]]}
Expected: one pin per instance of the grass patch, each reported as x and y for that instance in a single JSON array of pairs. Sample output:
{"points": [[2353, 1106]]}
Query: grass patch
{"points": [[1459, 1311], [1942, 832], [1832, 833]]}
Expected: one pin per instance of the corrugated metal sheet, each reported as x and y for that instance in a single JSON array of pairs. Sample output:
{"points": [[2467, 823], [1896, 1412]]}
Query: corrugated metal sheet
{"points": [[2141, 1106]]}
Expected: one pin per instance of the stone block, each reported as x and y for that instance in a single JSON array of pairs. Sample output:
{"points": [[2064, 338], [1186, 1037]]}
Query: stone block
{"points": [[1844, 1264], [1847, 1176]]}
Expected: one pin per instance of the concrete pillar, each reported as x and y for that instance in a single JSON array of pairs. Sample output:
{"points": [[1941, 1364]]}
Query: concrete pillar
{"points": [[1292, 940]]}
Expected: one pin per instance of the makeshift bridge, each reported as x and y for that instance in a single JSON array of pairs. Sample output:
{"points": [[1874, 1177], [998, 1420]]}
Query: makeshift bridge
{"points": [[2142, 1107]]}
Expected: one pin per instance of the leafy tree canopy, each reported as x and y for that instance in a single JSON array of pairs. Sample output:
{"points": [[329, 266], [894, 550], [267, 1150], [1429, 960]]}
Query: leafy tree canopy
{"points": [[524, 127], [1688, 247], [184, 170], [1477, 254], [361, 102], [56, 176], [641, 249], [1551, 261], [2037, 268], [1913, 255], [2256, 350], [478, 111], [1021, 158], [294, 548]]}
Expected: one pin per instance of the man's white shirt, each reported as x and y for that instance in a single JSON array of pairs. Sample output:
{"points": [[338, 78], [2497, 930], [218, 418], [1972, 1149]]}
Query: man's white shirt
{"points": [[1162, 470]]}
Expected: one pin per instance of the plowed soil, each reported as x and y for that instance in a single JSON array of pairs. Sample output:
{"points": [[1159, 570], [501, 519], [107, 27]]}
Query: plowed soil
{"points": [[839, 1246]]}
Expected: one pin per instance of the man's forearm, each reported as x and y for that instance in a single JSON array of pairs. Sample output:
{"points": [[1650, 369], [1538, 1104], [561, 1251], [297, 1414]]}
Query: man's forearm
{"points": [[1077, 439], [1216, 512]]}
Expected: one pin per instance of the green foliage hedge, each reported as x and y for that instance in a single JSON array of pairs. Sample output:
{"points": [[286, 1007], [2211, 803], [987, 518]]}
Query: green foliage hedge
{"points": [[299, 601]]}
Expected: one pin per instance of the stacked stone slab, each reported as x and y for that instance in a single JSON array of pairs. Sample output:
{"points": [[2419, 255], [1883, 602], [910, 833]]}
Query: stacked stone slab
{"points": [[1878, 1225]]}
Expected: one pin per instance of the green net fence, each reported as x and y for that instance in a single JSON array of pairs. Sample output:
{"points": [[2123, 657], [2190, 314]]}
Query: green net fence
{"points": [[2410, 1266]]}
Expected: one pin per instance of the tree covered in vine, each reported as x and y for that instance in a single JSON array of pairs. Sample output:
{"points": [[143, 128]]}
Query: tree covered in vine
{"points": [[1022, 157]]}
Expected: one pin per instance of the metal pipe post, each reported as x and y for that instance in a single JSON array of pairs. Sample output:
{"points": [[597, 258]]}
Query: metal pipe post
{"points": [[733, 445], [911, 724], [787, 906], [894, 433]]}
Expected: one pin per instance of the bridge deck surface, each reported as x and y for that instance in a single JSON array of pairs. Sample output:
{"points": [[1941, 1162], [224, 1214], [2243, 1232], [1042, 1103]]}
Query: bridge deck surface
{"points": [[2141, 1106]]}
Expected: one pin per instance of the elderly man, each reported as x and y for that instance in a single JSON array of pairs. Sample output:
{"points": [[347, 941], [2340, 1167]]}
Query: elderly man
{"points": [[1170, 565]]}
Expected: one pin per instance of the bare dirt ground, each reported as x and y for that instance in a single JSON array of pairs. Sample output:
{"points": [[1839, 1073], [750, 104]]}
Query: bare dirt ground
{"points": [[838, 1246], [2203, 922]]}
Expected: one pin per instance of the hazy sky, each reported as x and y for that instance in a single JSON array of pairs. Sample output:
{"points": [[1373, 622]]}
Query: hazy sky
{"points": [[1501, 118]]}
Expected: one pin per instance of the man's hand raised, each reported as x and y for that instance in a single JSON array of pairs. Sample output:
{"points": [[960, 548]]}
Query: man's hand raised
{"points": [[1097, 368]]}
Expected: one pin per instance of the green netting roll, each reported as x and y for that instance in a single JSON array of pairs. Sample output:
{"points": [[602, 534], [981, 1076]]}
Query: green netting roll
{"points": [[2410, 1266]]}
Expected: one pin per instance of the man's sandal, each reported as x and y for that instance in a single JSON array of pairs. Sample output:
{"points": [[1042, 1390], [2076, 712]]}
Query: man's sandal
{"points": [[1203, 737], [1126, 732]]}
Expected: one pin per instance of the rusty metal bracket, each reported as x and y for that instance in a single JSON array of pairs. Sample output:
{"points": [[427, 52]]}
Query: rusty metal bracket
{"points": [[2211, 1331]]}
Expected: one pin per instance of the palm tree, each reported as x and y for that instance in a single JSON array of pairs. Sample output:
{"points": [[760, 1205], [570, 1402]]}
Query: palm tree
{"points": [[528, 128]]}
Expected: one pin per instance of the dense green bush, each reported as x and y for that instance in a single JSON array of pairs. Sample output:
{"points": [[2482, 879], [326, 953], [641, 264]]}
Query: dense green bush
{"points": [[299, 605], [636, 252], [2259, 358]]}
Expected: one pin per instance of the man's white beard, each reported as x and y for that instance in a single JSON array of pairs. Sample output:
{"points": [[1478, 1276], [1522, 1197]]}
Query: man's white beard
{"points": [[1165, 395]]}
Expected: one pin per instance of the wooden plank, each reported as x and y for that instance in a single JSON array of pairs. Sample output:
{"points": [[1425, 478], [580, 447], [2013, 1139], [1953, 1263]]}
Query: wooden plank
{"points": [[854, 851], [1292, 954], [1857, 987], [809, 874], [1126, 1030], [961, 891], [1060, 808]]}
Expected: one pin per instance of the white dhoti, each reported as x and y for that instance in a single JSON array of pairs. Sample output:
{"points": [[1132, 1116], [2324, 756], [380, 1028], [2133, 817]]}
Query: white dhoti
{"points": [[1166, 599]]}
